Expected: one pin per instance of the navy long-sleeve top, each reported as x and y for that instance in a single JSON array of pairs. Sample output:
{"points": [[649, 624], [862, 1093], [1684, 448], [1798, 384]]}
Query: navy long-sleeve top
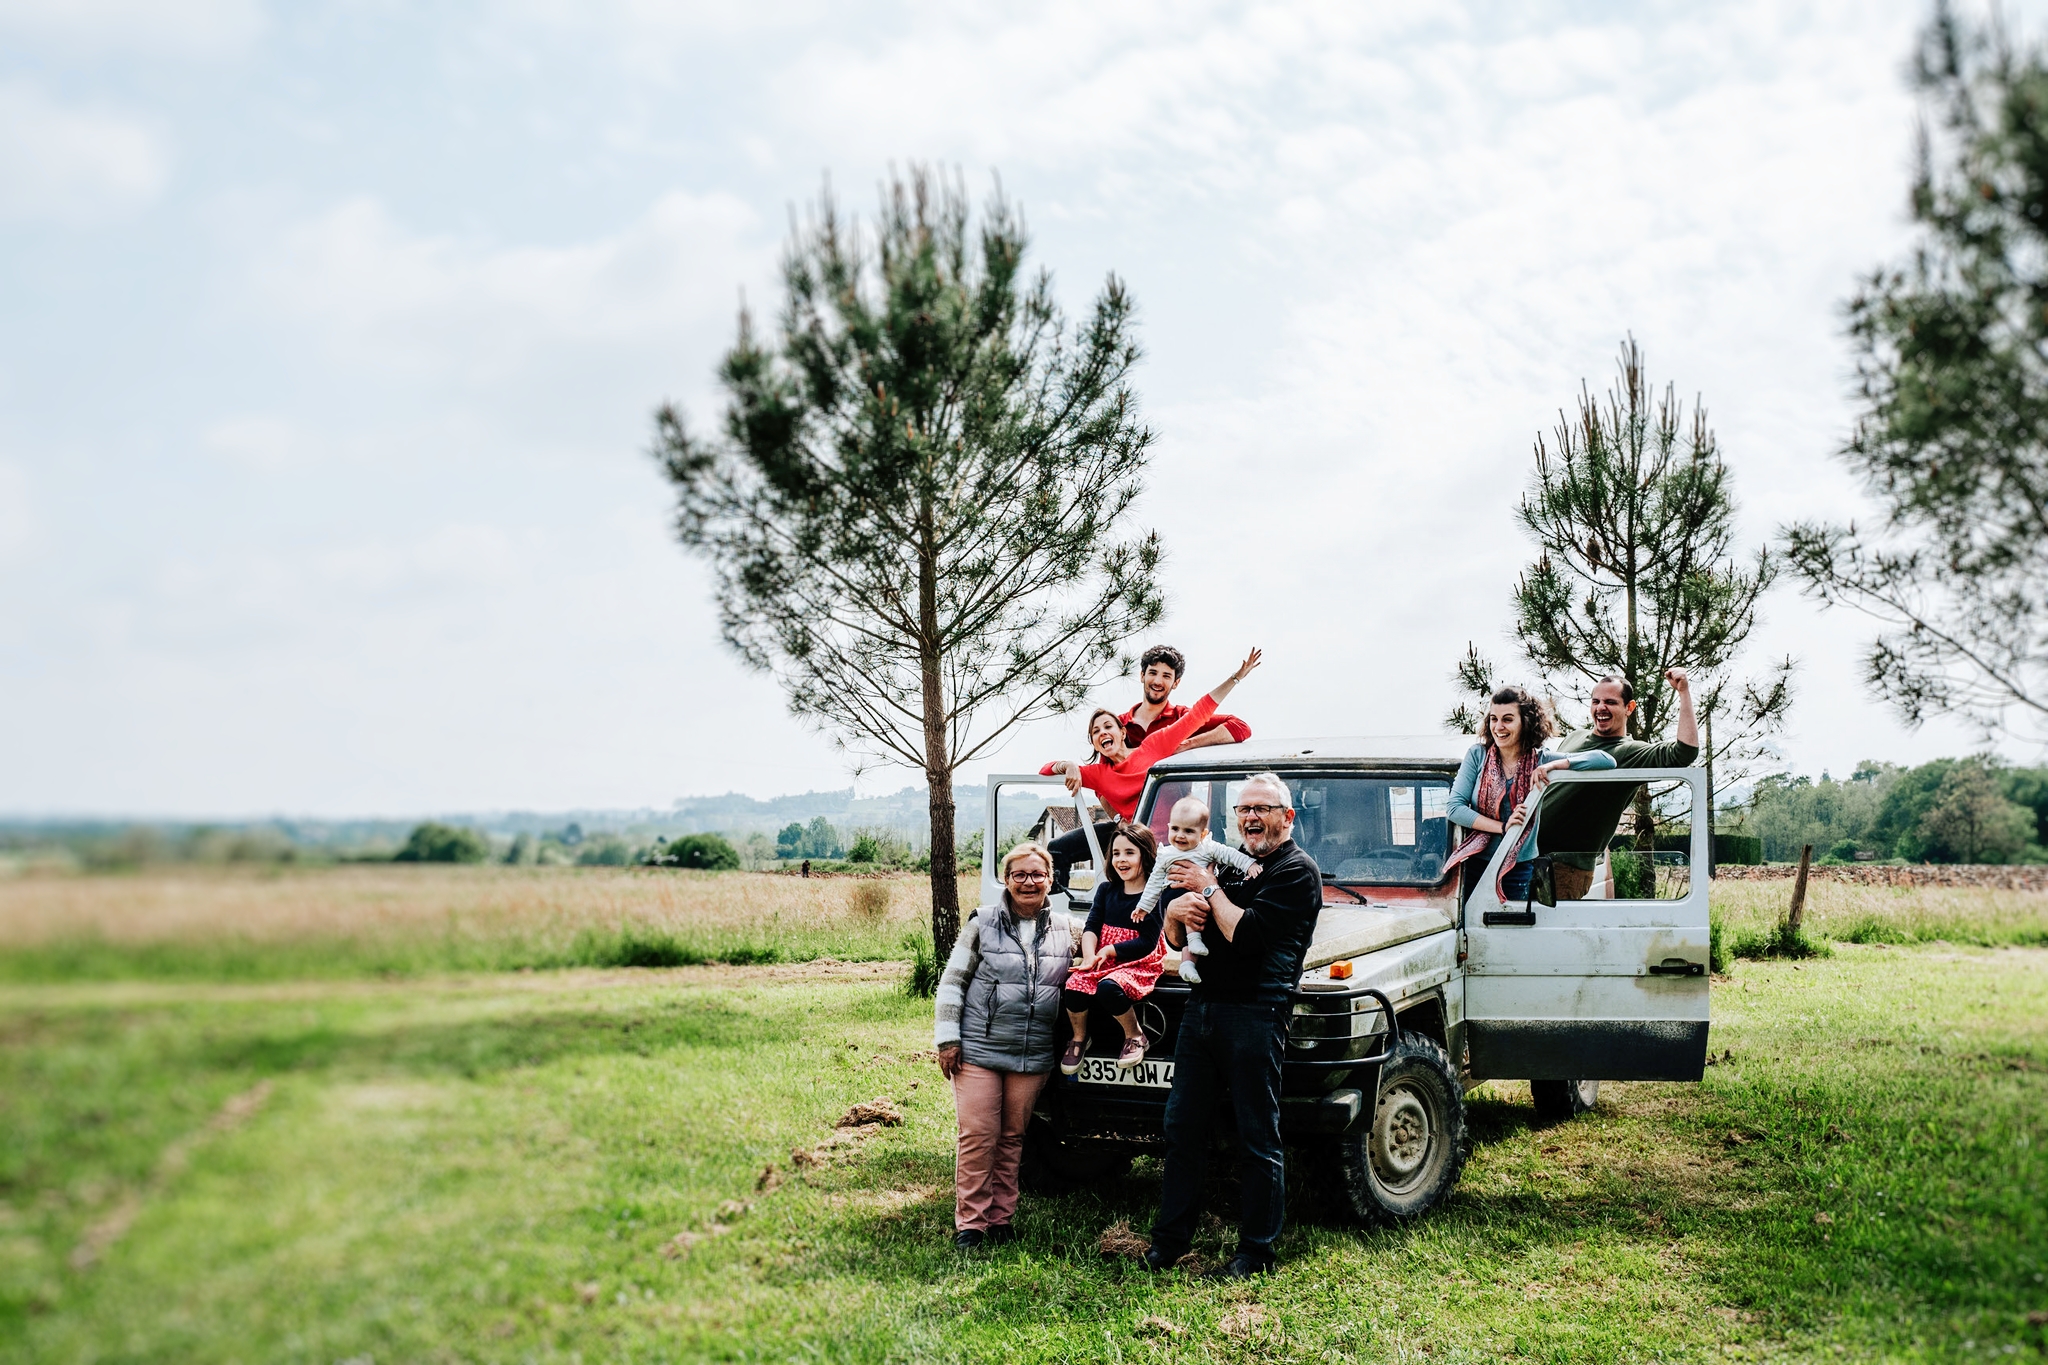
{"points": [[1113, 907]]}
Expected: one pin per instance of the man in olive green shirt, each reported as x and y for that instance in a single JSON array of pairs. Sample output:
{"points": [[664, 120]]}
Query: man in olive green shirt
{"points": [[1579, 818]]}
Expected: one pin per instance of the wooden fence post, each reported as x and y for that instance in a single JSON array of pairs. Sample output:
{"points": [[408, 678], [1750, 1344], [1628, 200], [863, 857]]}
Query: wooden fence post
{"points": [[1799, 893]]}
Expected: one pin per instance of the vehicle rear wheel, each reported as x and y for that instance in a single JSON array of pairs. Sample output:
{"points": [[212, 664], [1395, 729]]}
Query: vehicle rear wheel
{"points": [[1406, 1160], [1052, 1165], [1562, 1101]]}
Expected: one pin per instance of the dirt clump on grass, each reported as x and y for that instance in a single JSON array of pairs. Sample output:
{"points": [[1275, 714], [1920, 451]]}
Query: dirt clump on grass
{"points": [[882, 1111], [1246, 1321], [1119, 1239], [855, 1126]]}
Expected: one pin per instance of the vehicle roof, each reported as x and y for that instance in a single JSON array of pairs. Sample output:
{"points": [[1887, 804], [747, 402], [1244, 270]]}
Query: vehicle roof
{"points": [[1343, 751]]}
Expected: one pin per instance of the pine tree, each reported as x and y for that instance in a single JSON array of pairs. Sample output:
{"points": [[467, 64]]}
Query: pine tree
{"points": [[1475, 676], [1633, 516], [916, 510], [1952, 357]]}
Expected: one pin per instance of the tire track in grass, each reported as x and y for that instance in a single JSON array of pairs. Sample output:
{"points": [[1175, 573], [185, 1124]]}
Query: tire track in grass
{"points": [[101, 1236]]}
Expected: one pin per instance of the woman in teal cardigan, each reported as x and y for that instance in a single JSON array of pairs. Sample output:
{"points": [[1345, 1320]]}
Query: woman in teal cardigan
{"points": [[1500, 775]]}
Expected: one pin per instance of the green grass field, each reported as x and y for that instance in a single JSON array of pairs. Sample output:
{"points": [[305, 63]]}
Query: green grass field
{"points": [[565, 1165], [382, 920]]}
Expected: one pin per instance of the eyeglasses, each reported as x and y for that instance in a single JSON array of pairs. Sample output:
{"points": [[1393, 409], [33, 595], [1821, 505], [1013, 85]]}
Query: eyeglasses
{"points": [[1029, 877], [1261, 811]]}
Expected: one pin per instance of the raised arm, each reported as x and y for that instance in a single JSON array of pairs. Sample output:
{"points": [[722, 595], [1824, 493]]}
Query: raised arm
{"points": [[1688, 726], [1221, 691]]}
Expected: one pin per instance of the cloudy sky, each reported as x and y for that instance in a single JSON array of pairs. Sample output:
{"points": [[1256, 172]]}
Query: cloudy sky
{"points": [[330, 334]]}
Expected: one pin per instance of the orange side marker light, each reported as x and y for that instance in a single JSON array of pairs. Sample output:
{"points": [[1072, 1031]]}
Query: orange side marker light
{"points": [[1341, 971]]}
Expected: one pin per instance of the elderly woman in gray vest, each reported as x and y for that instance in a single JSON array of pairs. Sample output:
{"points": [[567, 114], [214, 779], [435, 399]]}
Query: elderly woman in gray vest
{"points": [[997, 1034]]}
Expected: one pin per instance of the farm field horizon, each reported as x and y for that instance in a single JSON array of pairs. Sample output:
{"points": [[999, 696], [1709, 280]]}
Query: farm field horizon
{"points": [[229, 923], [307, 1157]]}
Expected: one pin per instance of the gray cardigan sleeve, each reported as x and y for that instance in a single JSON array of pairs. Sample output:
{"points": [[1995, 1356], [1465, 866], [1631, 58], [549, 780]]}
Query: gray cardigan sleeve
{"points": [[952, 995]]}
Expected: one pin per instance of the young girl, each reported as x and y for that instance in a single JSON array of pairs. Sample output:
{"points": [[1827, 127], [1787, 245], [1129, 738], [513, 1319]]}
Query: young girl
{"points": [[1121, 951]]}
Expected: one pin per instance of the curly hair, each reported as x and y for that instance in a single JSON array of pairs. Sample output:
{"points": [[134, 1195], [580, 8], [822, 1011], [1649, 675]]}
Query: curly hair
{"points": [[1536, 725], [1168, 655]]}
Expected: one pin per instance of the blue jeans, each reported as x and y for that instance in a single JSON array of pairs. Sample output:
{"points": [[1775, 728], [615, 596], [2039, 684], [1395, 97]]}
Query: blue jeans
{"points": [[1236, 1048], [1514, 883]]}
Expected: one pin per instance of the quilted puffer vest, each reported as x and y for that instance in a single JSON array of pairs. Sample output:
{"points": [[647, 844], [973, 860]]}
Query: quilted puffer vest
{"points": [[1010, 1018]]}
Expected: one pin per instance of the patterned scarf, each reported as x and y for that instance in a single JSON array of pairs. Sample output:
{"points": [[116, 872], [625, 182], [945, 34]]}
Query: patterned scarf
{"points": [[1493, 786]]}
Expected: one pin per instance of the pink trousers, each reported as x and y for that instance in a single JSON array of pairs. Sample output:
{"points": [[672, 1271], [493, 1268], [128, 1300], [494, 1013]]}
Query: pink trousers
{"points": [[993, 1107]]}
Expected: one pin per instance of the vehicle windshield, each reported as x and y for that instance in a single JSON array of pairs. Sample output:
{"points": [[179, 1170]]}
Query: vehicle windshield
{"points": [[1379, 831]]}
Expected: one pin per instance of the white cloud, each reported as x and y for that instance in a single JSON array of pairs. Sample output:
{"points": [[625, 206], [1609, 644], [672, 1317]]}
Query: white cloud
{"points": [[408, 553], [457, 308], [190, 28], [71, 163], [260, 443], [17, 514]]}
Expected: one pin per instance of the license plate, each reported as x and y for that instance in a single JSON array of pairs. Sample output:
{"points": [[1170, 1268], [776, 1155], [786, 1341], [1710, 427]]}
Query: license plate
{"points": [[1105, 1071]]}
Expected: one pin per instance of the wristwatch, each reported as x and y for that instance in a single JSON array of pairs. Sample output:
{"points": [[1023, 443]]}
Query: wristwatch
{"points": [[1207, 892]]}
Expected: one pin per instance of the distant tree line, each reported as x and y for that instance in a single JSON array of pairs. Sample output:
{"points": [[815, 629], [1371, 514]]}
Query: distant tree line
{"points": [[111, 846], [1952, 810]]}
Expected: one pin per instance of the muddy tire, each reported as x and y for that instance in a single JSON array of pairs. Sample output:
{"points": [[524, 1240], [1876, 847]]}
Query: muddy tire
{"points": [[1562, 1101], [1404, 1163]]}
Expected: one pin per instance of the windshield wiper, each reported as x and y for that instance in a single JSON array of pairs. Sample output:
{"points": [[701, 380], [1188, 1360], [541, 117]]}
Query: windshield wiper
{"points": [[1347, 889]]}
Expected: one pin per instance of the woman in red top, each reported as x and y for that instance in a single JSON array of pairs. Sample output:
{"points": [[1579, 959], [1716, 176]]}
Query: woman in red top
{"points": [[1118, 774]]}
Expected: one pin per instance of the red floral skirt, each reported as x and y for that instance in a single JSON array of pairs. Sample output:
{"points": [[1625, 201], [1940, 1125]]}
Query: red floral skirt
{"points": [[1136, 979]]}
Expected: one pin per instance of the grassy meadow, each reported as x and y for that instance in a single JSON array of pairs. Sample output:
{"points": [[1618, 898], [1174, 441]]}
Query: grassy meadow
{"points": [[1840, 912], [379, 919], [307, 1159]]}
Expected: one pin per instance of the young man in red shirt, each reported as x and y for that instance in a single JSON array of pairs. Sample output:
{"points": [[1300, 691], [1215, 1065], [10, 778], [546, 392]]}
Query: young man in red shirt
{"points": [[1160, 671]]}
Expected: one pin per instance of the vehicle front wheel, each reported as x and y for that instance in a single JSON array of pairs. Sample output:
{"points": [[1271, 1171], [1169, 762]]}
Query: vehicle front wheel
{"points": [[1562, 1101], [1405, 1162]]}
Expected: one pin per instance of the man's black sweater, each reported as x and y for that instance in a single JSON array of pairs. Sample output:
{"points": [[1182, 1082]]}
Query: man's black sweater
{"points": [[1261, 962]]}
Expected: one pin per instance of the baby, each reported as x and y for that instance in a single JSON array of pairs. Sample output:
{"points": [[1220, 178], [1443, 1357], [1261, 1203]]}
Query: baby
{"points": [[1187, 837]]}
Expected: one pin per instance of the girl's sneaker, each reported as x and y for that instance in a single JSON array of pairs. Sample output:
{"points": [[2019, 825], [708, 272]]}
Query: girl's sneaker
{"points": [[1070, 1060], [1134, 1051]]}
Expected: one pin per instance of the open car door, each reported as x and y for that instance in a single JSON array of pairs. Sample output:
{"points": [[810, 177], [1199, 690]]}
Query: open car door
{"points": [[1018, 804], [1609, 990]]}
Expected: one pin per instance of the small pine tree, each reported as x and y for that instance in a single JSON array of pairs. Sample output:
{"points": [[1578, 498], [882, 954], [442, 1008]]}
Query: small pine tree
{"points": [[918, 510], [1637, 571]]}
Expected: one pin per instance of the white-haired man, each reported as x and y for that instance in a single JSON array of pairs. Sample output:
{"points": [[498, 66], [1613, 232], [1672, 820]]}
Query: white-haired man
{"points": [[1234, 1030]]}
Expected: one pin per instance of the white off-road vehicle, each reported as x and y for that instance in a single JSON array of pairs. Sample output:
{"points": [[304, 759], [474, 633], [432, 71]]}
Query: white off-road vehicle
{"points": [[1407, 999]]}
